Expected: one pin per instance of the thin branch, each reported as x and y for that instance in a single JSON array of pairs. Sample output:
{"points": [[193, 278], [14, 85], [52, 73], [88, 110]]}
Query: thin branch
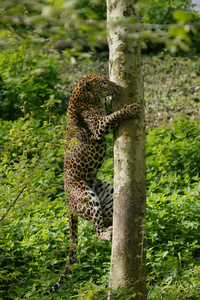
{"points": [[12, 204]]}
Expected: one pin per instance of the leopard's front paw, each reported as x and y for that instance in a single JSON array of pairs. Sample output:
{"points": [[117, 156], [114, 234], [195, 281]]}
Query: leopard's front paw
{"points": [[134, 109]]}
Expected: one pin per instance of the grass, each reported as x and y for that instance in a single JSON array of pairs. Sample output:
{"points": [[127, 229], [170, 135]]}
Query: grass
{"points": [[172, 89]]}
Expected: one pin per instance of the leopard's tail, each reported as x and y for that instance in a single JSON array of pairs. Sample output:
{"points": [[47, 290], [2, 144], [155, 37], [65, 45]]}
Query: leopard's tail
{"points": [[73, 225]]}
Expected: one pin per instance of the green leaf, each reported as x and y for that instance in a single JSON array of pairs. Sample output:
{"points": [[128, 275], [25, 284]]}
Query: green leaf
{"points": [[181, 16]]}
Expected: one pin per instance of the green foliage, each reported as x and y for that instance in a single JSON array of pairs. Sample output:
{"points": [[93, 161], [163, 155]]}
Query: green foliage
{"points": [[29, 79], [157, 12], [34, 230], [173, 156], [35, 23], [34, 225], [173, 209], [82, 22], [32, 198], [91, 9], [176, 38], [185, 286]]}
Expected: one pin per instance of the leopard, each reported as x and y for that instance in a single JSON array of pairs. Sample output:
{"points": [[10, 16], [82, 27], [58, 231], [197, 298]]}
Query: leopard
{"points": [[90, 118]]}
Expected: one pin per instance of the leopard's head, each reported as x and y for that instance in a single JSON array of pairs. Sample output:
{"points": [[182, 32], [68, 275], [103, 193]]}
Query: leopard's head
{"points": [[101, 90], [94, 91], [100, 86]]}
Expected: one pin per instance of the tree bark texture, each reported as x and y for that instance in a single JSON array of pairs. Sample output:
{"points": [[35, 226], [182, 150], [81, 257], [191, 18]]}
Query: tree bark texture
{"points": [[128, 262]]}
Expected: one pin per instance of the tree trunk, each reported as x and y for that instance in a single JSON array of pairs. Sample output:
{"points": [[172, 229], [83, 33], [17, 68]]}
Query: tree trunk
{"points": [[128, 262]]}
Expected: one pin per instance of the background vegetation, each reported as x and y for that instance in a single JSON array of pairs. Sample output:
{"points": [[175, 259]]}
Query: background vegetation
{"points": [[72, 25], [35, 87]]}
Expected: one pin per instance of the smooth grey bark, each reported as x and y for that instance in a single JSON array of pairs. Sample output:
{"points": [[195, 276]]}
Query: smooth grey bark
{"points": [[128, 261]]}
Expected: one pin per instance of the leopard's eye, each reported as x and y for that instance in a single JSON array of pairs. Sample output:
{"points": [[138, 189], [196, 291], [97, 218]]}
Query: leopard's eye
{"points": [[104, 83]]}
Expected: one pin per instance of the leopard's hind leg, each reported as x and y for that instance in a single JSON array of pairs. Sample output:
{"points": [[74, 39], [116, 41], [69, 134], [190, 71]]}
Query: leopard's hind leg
{"points": [[104, 191], [85, 203]]}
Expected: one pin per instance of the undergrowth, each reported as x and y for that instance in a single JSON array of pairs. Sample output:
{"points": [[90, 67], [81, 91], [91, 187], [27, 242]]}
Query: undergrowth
{"points": [[34, 229]]}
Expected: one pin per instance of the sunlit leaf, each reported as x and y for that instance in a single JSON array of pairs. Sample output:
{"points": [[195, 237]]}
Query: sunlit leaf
{"points": [[181, 16]]}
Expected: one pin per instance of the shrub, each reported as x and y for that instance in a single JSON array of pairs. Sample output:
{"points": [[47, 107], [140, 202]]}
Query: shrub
{"points": [[173, 209], [170, 12], [34, 226], [28, 79], [157, 12], [173, 155]]}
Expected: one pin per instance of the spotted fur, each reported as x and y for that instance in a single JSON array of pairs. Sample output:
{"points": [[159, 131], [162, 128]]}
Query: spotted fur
{"points": [[88, 124]]}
